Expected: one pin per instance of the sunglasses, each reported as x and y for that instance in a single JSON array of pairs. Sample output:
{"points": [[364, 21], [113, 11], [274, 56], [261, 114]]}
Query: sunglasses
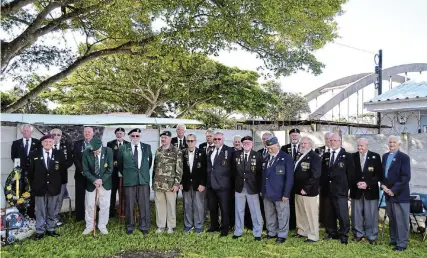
{"points": [[217, 139], [191, 140], [134, 136], [55, 134]]}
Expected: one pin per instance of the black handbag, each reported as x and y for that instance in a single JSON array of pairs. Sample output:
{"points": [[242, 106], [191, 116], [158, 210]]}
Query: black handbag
{"points": [[415, 206]]}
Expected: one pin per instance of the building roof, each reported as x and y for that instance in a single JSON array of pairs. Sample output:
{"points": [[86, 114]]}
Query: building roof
{"points": [[407, 90], [101, 119], [406, 96]]}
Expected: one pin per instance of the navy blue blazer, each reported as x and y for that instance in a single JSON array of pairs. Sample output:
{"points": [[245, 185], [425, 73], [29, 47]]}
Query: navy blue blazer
{"points": [[399, 175], [277, 180]]}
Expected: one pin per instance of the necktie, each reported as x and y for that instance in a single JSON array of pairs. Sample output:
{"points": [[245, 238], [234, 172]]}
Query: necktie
{"points": [[180, 144], [294, 152], [96, 165], [264, 152], [26, 147], [55, 147], [216, 155], [47, 159], [86, 144], [270, 162], [331, 162], [246, 159], [135, 154]]}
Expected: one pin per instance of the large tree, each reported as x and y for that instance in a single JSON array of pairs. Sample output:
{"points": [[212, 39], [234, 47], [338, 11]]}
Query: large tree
{"points": [[282, 34], [174, 84]]}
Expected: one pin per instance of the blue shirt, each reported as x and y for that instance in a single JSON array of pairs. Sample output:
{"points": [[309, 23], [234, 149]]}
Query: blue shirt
{"points": [[388, 162]]}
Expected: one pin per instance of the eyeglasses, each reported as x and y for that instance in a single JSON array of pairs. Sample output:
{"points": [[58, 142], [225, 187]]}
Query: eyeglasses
{"points": [[134, 136], [56, 134], [217, 139], [191, 140]]}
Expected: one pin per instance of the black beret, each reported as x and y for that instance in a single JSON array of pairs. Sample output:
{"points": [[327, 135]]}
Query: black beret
{"points": [[47, 136], [294, 130], [136, 130], [120, 129], [247, 138], [166, 133]]}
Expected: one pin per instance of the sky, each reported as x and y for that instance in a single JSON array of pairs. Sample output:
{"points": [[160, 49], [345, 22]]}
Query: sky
{"points": [[397, 27]]}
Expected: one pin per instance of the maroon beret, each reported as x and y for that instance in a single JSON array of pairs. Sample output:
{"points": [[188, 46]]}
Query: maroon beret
{"points": [[47, 136]]}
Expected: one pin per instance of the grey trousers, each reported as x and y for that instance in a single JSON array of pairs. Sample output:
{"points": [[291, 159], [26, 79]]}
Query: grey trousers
{"points": [[254, 208], [45, 213], [277, 217], [398, 216], [141, 195], [194, 208], [364, 218], [60, 200]]}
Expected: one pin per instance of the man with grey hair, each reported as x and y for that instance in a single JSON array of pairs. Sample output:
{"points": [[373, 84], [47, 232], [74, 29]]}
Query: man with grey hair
{"points": [[264, 150], [395, 184], [307, 171], [364, 192], [179, 141], [237, 144], [193, 184], [20, 153], [65, 148]]}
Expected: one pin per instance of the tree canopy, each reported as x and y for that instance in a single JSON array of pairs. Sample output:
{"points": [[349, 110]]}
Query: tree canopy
{"points": [[282, 34]]}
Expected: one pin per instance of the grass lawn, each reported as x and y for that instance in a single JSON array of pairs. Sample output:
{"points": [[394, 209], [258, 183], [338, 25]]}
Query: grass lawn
{"points": [[73, 244]]}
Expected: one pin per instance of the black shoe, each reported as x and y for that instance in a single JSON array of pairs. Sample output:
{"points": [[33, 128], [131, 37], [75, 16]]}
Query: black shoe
{"points": [[235, 237], [357, 239], [223, 234], [257, 238], [52, 234], [210, 230], [344, 241], [329, 237], [38, 236], [144, 232], [392, 244], [372, 242], [280, 240], [309, 241], [297, 235], [129, 231], [270, 237], [397, 248]]}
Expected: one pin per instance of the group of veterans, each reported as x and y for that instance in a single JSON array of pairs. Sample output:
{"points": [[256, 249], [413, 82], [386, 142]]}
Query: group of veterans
{"points": [[295, 186]]}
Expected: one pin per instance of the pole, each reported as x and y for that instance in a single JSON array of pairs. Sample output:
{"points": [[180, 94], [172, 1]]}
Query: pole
{"points": [[94, 213], [378, 71]]}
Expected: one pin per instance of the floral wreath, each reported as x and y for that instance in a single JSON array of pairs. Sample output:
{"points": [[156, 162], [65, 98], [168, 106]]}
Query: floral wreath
{"points": [[15, 194]]}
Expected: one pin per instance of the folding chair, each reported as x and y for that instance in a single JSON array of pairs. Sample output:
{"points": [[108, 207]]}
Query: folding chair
{"points": [[382, 205], [421, 230]]}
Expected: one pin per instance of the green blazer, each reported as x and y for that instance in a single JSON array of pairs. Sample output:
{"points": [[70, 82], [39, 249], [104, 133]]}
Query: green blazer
{"points": [[128, 168], [106, 168]]}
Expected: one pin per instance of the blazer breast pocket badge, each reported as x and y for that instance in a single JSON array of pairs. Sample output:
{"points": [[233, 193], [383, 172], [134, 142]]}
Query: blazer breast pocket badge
{"points": [[341, 164], [224, 163], [305, 165], [280, 170], [199, 165], [57, 166], [371, 169]]}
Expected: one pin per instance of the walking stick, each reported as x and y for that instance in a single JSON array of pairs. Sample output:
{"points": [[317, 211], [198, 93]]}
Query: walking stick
{"points": [[120, 199], [94, 213]]}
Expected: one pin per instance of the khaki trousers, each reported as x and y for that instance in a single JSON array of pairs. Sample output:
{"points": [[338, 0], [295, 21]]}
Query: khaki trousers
{"points": [[165, 209], [307, 214]]}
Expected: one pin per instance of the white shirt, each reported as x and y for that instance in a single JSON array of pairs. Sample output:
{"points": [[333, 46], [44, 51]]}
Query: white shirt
{"points": [[335, 155], [191, 159], [247, 155], [180, 140], [208, 147], [45, 156], [139, 153], [24, 141], [363, 159], [300, 158], [214, 154]]}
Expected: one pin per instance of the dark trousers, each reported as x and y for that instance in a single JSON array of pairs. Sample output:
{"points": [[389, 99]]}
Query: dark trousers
{"points": [[80, 187], [115, 183], [292, 217], [337, 208], [219, 198], [141, 195], [322, 198]]}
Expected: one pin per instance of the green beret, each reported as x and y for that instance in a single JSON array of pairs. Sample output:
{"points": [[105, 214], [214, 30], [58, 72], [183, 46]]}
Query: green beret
{"points": [[95, 143]]}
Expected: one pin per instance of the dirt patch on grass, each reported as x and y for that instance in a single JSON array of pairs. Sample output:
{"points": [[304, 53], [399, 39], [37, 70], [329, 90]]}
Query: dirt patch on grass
{"points": [[147, 254]]}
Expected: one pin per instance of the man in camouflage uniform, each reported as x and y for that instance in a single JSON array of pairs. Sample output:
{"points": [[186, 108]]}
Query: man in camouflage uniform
{"points": [[167, 174]]}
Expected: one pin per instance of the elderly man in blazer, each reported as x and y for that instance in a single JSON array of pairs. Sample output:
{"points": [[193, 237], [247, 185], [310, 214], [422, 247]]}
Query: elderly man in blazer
{"points": [[44, 174], [247, 170], [336, 179], [306, 186], [97, 168], [277, 181], [364, 192], [193, 184], [395, 184], [134, 161], [219, 185]]}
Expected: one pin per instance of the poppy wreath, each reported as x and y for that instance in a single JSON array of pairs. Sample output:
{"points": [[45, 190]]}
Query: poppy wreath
{"points": [[15, 194]]}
